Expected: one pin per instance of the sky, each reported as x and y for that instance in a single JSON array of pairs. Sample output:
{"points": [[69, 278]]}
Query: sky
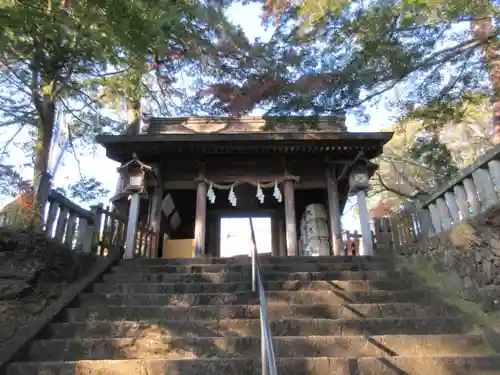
{"points": [[104, 169]]}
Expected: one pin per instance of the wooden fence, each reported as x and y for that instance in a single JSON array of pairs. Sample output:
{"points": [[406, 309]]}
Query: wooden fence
{"points": [[83, 230], [474, 190]]}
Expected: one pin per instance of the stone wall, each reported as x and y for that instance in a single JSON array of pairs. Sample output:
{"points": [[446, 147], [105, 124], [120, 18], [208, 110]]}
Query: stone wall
{"points": [[468, 255]]}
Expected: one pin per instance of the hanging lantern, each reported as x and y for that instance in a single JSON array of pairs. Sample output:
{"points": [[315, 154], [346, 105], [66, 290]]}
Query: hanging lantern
{"points": [[211, 194], [260, 193]]}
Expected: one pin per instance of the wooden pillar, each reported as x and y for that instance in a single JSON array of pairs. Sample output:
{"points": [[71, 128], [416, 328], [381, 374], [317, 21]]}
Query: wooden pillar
{"points": [[364, 219], [275, 228], [290, 219], [200, 220], [155, 215], [281, 233], [334, 218]]}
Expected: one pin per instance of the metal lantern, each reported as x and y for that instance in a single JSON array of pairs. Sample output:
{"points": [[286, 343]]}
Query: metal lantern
{"points": [[359, 179], [133, 174]]}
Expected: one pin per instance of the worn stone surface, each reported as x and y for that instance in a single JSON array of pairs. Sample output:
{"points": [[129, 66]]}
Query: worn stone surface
{"points": [[310, 297], [453, 365], [251, 327], [33, 273], [334, 264], [206, 287], [222, 276], [275, 311], [383, 320], [249, 347], [469, 255]]}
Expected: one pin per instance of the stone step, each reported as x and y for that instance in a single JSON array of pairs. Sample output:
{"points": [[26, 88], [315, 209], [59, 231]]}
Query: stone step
{"points": [[276, 310], [172, 288], [263, 259], [252, 298], [251, 327], [450, 365], [155, 268], [249, 347], [221, 277]]}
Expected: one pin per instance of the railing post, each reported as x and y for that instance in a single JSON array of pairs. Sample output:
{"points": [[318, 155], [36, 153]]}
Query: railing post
{"points": [[494, 168], [70, 232], [462, 201], [95, 227], [61, 224], [471, 191], [436, 220], [444, 213], [425, 221], [486, 190], [451, 201], [51, 217], [85, 235]]}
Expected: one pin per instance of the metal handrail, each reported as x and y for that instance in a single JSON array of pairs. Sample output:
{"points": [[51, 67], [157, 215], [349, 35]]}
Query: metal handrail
{"points": [[267, 350]]}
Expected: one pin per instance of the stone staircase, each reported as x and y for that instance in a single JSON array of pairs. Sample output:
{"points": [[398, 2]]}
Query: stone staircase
{"points": [[329, 316]]}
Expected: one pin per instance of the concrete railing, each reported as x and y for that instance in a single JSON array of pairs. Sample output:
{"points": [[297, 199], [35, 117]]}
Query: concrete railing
{"points": [[475, 189], [93, 230]]}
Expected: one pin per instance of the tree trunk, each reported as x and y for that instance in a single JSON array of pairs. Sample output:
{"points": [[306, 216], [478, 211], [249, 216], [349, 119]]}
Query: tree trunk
{"points": [[482, 28], [41, 177], [133, 115]]}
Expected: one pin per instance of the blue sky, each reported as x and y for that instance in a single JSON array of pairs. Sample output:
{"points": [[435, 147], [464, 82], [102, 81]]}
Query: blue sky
{"points": [[104, 169]]}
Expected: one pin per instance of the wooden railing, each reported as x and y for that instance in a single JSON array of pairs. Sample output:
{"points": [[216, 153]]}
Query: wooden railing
{"points": [[474, 190], [93, 230]]}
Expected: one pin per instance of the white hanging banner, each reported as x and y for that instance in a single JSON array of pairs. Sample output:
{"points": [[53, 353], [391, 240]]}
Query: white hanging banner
{"points": [[260, 193], [232, 197], [211, 194], [277, 192]]}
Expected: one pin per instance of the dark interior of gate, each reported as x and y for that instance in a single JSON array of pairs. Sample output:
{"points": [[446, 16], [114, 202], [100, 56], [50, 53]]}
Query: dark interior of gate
{"points": [[247, 206]]}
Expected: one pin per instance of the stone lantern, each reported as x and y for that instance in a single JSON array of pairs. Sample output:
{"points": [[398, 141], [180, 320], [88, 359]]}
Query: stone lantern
{"points": [[359, 180], [134, 175]]}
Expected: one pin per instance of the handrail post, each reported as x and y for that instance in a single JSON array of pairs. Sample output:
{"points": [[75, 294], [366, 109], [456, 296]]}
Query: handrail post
{"points": [[263, 350], [267, 350], [254, 281]]}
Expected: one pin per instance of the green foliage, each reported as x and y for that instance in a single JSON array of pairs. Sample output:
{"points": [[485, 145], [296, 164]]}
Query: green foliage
{"points": [[327, 57], [87, 189], [11, 181], [425, 152]]}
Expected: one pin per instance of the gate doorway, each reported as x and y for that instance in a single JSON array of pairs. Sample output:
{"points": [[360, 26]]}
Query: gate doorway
{"points": [[236, 238]]}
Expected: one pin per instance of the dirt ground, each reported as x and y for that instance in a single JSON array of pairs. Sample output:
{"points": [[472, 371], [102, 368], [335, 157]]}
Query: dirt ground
{"points": [[33, 272]]}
